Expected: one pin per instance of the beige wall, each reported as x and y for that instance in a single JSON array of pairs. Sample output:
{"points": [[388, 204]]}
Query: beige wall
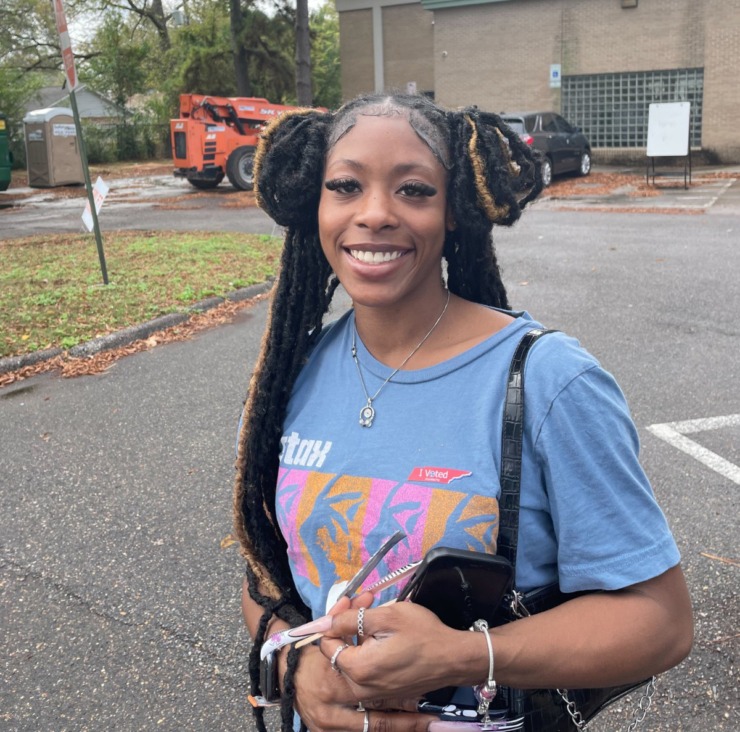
{"points": [[356, 52], [721, 83], [408, 43], [498, 55]]}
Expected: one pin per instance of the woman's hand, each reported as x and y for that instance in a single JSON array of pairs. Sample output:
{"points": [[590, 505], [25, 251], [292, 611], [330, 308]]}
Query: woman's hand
{"points": [[326, 699], [404, 653]]}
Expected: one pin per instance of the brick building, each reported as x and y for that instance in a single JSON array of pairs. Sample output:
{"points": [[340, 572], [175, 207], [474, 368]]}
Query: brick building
{"points": [[598, 62]]}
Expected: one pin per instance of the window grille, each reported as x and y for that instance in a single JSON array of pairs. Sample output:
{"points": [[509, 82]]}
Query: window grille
{"points": [[612, 109]]}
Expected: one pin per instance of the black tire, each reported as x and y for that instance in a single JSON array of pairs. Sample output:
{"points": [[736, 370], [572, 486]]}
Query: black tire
{"points": [[546, 170], [585, 165], [205, 185], [239, 168]]}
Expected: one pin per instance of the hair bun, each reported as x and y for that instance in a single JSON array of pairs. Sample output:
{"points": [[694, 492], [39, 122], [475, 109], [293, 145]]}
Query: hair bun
{"points": [[288, 168]]}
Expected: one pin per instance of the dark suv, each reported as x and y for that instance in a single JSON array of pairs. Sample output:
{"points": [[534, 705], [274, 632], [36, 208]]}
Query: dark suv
{"points": [[564, 147]]}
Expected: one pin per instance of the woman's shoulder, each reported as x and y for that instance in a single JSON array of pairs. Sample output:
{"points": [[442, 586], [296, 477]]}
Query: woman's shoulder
{"points": [[559, 364]]}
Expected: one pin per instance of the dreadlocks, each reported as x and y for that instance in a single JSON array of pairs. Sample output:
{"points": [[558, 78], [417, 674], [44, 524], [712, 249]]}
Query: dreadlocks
{"points": [[492, 175]]}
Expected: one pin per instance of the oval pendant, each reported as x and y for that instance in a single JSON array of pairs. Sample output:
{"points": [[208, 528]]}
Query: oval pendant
{"points": [[367, 415]]}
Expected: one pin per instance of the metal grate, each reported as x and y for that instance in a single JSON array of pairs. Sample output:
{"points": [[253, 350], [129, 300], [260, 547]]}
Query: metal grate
{"points": [[612, 109]]}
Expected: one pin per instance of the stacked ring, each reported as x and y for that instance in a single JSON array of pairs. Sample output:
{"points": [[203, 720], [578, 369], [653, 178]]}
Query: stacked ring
{"points": [[334, 657], [366, 722], [361, 622]]}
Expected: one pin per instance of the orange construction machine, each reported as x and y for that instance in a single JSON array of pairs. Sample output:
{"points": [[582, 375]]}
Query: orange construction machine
{"points": [[217, 136]]}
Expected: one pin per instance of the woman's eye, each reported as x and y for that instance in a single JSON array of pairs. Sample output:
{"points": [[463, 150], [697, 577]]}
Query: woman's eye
{"points": [[416, 188], [342, 185]]}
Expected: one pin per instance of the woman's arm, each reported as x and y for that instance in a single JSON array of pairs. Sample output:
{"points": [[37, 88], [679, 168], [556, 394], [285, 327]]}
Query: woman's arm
{"points": [[600, 639]]}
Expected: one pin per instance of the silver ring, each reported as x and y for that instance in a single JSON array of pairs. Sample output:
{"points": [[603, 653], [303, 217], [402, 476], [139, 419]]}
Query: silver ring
{"points": [[366, 722], [334, 657], [361, 623], [360, 706]]}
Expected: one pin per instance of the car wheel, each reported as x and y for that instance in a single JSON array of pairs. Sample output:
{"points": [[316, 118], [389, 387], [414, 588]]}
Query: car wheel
{"points": [[546, 172], [239, 168], [585, 166]]}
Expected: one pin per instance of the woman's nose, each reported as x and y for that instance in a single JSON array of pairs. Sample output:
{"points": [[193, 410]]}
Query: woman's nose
{"points": [[376, 211]]}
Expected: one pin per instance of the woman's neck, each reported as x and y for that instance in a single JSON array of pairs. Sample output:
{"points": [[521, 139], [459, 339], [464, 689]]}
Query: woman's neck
{"points": [[391, 334]]}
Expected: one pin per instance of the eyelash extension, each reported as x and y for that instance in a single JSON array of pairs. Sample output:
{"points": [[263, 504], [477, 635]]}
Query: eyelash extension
{"points": [[420, 188], [336, 183]]}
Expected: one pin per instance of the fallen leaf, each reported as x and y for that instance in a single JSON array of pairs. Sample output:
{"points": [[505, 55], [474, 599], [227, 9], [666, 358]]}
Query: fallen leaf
{"points": [[227, 541]]}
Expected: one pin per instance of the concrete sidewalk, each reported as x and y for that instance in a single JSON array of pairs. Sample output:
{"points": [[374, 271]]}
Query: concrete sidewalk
{"points": [[711, 190]]}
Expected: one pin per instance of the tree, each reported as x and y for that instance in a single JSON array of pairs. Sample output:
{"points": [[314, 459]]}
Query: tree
{"points": [[325, 69], [241, 58], [151, 12], [302, 55], [116, 63]]}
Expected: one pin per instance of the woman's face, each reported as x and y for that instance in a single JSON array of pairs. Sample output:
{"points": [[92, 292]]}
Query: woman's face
{"points": [[383, 214]]}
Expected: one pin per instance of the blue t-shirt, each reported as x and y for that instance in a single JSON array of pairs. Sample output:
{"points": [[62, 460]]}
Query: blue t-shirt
{"points": [[430, 466]]}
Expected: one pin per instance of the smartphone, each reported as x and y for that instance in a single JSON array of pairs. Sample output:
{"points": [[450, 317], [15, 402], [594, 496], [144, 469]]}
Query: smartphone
{"points": [[460, 586]]}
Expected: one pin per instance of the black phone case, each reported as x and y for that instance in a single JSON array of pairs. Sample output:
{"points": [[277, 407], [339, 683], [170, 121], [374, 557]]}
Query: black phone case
{"points": [[460, 587]]}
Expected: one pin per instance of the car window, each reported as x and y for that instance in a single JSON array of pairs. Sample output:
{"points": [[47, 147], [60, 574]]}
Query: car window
{"points": [[516, 124], [530, 123], [563, 124], [549, 124]]}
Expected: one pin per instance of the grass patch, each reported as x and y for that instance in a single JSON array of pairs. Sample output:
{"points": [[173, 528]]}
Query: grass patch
{"points": [[51, 291]]}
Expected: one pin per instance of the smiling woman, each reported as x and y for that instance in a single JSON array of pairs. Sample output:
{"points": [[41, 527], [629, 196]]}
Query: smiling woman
{"points": [[379, 196]]}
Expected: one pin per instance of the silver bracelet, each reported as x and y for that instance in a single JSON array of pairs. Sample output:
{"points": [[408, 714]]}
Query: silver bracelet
{"points": [[485, 692]]}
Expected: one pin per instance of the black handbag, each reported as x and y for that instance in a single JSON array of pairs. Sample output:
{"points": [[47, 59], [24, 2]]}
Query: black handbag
{"points": [[543, 710]]}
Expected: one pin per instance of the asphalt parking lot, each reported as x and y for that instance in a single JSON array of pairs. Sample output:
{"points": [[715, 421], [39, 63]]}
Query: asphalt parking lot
{"points": [[118, 585]]}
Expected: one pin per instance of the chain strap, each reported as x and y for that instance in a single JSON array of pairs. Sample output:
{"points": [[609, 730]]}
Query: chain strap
{"points": [[643, 705]]}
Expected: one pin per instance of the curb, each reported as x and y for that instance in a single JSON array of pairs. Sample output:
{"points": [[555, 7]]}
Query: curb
{"points": [[134, 332]]}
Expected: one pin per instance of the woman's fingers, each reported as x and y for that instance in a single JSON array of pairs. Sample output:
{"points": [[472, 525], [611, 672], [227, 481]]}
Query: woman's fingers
{"points": [[367, 720]]}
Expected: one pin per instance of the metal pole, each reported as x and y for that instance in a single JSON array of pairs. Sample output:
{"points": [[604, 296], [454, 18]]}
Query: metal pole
{"points": [[88, 185]]}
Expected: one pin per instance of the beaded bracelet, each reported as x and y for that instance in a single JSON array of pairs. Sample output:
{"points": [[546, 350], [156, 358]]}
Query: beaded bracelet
{"points": [[485, 692]]}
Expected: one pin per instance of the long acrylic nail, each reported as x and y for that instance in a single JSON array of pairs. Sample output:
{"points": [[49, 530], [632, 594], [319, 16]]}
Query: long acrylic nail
{"points": [[320, 625]]}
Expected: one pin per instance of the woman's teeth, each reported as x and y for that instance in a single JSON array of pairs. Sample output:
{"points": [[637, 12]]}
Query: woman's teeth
{"points": [[374, 257]]}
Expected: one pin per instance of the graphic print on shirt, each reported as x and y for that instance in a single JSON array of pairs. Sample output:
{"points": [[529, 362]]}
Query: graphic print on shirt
{"points": [[333, 524]]}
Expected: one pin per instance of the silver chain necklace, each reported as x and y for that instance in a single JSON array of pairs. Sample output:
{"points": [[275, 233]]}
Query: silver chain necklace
{"points": [[367, 413]]}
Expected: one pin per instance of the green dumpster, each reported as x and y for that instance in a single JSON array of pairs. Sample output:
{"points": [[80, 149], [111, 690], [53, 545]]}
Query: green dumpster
{"points": [[5, 156]]}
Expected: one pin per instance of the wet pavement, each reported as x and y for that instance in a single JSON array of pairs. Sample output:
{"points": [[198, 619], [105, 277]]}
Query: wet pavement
{"points": [[165, 202]]}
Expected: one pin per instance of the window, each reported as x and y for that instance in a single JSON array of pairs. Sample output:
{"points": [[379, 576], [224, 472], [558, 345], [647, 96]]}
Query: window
{"points": [[612, 109]]}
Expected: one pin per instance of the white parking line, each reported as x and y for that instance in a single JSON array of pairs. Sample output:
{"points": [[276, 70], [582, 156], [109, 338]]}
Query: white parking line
{"points": [[674, 433]]}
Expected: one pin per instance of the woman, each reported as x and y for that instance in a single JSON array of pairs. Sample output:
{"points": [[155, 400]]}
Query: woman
{"points": [[391, 418]]}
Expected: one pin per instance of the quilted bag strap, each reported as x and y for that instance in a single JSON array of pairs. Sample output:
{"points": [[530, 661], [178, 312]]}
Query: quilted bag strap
{"points": [[512, 435]]}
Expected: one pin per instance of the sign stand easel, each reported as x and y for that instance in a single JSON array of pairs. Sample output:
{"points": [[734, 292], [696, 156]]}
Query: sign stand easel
{"points": [[669, 136]]}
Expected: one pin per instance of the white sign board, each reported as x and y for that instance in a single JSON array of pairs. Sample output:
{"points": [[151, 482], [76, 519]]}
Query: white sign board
{"points": [[668, 129], [100, 191]]}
